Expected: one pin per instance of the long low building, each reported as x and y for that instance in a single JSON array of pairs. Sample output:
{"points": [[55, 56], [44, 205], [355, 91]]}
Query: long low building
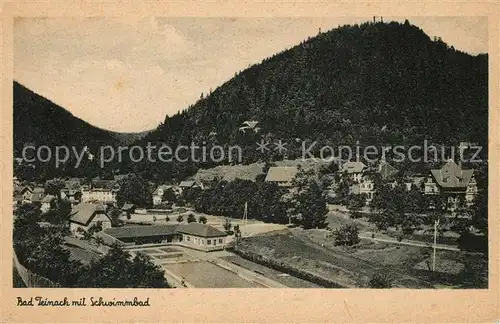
{"points": [[195, 235]]}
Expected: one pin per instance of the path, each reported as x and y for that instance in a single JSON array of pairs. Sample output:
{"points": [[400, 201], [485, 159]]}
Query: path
{"points": [[412, 243]]}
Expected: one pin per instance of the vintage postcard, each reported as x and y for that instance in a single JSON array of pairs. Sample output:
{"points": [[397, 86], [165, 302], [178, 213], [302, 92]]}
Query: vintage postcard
{"points": [[332, 165]]}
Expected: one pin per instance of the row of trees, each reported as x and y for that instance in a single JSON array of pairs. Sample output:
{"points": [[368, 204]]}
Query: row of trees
{"points": [[305, 205], [41, 249]]}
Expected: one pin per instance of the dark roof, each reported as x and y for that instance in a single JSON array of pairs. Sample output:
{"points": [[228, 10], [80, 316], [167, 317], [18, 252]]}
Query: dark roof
{"points": [[387, 171], [202, 230], [141, 231], [451, 176], [103, 184], [84, 212], [128, 206]]}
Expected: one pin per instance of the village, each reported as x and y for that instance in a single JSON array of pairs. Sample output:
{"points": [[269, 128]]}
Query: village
{"points": [[352, 243]]}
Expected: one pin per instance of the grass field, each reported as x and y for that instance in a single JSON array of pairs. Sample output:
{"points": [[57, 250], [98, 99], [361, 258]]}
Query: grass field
{"points": [[204, 274], [280, 277], [314, 251]]}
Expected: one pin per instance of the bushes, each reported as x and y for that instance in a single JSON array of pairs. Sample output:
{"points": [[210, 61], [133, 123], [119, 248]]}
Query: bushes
{"points": [[347, 235], [289, 269], [381, 280]]}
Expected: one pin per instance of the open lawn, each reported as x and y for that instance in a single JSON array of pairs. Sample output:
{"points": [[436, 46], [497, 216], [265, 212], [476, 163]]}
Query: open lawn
{"points": [[314, 251]]}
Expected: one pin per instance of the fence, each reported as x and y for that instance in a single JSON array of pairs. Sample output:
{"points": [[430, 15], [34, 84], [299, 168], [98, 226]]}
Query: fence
{"points": [[31, 279]]}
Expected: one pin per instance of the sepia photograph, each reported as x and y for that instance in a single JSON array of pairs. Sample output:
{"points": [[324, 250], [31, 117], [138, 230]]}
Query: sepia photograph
{"points": [[218, 152]]}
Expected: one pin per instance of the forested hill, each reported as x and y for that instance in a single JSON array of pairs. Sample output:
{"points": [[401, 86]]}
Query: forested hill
{"points": [[39, 121], [375, 82]]}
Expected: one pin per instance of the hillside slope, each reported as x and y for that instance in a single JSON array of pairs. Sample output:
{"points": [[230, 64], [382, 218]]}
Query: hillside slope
{"points": [[39, 121], [375, 82]]}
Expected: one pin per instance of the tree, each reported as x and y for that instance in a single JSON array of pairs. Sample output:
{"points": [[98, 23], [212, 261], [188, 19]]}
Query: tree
{"points": [[169, 195], [381, 280], [356, 203], [117, 270], [202, 219], [191, 218], [114, 214], [180, 218], [136, 190], [347, 235], [227, 224], [309, 206], [54, 187], [167, 219]]}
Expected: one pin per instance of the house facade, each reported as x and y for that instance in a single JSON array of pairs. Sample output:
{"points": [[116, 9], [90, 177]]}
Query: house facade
{"points": [[158, 194], [452, 182], [354, 170], [86, 214], [193, 235], [202, 237], [100, 191]]}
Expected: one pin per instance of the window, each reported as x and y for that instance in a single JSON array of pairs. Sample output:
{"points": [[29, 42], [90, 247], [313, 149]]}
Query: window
{"points": [[188, 238], [209, 242], [220, 241]]}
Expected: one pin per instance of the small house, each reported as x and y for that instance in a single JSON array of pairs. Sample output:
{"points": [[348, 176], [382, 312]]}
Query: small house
{"points": [[85, 214]]}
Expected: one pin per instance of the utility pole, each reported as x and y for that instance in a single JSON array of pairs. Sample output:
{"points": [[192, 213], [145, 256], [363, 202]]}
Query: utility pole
{"points": [[436, 223]]}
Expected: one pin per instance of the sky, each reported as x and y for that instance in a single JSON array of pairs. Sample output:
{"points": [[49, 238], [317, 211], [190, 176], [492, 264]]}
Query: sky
{"points": [[126, 75]]}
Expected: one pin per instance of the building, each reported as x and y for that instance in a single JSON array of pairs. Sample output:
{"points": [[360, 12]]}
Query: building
{"points": [[86, 214], [100, 191], [387, 172], [202, 236], [37, 195], [23, 193], [194, 235], [452, 182], [282, 175], [158, 194], [367, 186], [128, 209], [415, 182], [354, 170], [46, 203], [158, 234]]}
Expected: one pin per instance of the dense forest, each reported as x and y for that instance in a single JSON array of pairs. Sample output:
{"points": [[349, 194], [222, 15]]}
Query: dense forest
{"points": [[39, 121], [376, 83]]}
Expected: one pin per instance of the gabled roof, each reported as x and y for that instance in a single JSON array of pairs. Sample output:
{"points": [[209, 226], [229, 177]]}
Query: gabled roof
{"points": [[353, 167], [162, 187], [187, 184], [84, 212], [103, 184], [141, 231], [202, 230], [48, 199], [128, 206], [22, 189], [281, 173], [387, 171], [37, 195], [452, 176]]}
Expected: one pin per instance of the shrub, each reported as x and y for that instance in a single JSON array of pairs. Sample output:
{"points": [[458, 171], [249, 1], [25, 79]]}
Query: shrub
{"points": [[347, 235], [202, 219], [191, 218], [180, 218], [381, 280]]}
